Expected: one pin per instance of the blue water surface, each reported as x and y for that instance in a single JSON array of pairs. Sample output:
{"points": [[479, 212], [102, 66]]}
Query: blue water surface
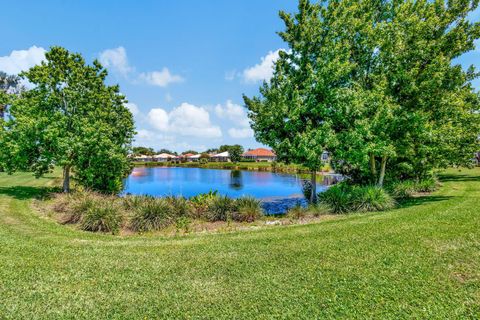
{"points": [[269, 187]]}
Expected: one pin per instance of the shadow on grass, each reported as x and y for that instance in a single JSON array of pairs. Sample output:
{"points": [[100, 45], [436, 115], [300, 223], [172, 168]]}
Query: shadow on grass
{"points": [[464, 177], [417, 201], [25, 193]]}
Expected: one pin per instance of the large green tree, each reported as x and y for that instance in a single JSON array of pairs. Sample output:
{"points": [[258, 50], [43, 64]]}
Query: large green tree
{"points": [[375, 84], [235, 151], [71, 119]]}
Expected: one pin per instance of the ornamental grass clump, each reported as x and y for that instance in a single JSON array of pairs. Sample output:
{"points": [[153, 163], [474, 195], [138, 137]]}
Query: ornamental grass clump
{"points": [[180, 206], [79, 204], [426, 185], [297, 212], [371, 198], [102, 216], [220, 209], [343, 198], [337, 198], [247, 209], [402, 190], [152, 214]]}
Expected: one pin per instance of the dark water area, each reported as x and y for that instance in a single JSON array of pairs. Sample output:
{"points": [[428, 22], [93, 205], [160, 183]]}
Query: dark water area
{"points": [[277, 191]]}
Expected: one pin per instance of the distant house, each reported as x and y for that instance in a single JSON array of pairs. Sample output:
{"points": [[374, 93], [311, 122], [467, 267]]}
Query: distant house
{"points": [[142, 158], [194, 158], [163, 157], [221, 157], [260, 155]]}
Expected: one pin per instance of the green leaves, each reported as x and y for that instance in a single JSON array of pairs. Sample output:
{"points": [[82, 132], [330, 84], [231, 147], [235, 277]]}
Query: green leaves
{"points": [[71, 118], [375, 84]]}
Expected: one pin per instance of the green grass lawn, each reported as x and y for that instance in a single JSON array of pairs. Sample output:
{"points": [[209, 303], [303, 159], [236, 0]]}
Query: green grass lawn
{"points": [[420, 261]]}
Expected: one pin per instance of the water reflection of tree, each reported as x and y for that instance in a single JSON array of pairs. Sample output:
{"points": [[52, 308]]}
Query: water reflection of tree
{"points": [[236, 180]]}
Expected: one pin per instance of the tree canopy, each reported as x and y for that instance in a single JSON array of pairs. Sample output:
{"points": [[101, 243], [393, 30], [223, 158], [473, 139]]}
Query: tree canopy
{"points": [[235, 151], [374, 83], [72, 119]]}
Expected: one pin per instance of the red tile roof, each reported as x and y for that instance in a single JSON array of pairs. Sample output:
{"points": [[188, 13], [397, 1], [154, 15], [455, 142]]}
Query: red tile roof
{"points": [[260, 152]]}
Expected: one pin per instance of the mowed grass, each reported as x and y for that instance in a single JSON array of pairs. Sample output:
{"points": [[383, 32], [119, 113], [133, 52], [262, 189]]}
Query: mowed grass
{"points": [[419, 261]]}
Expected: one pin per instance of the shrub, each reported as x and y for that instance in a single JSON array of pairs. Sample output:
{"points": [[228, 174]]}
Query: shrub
{"points": [[307, 189], [179, 206], [342, 198], [337, 198], [248, 209], [371, 198], [132, 202], [220, 209], [402, 190], [152, 214], [426, 185], [183, 223], [103, 216], [296, 212], [81, 203], [200, 204]]}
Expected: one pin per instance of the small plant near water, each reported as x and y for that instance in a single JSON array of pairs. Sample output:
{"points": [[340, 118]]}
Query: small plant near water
{"points": [[183, 224], [297, 212], [343, 198], [152, 214], [221, 209], [371, 198], [337, 198], [103, 216], [248, 209]]}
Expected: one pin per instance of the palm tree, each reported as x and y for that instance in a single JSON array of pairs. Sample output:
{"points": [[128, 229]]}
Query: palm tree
{"points": [[8, 84]]}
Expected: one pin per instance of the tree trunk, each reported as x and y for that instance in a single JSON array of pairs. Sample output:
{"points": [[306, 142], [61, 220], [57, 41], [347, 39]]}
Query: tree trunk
{"points": [[2, 111], [66, 179], [373, 168], [313, 182], [382, 171]]}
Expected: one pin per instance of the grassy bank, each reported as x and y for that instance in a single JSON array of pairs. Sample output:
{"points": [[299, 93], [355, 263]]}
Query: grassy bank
{"points": [[419, 261]]}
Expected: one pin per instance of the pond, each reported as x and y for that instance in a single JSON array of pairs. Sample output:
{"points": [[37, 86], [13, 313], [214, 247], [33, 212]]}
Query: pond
{"points": [[276, 190]]}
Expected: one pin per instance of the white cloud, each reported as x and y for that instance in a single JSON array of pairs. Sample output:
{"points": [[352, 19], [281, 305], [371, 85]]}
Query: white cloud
{"points": [[160, 78], [230, 75], [231, 111], [263, 70], [22, 60], [185, 120], [240, 133], [145, 134], [116, 59], [133, 108], [237, 115], [159, 119]]}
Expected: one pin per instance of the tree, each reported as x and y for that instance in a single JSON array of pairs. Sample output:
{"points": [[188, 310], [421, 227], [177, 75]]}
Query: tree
{"points": [[415, 108], [190, 151], [374, 83], [293, 113], [166, 151], [73, 120], [143, 151], [235, 151]]}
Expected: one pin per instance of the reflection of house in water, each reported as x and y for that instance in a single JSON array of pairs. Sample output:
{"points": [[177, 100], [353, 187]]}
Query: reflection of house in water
{"points": [[139, 172], [236, 180]]}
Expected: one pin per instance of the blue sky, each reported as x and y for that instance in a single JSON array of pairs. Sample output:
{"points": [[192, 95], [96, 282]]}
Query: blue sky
{"points": [[182, 64]]}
